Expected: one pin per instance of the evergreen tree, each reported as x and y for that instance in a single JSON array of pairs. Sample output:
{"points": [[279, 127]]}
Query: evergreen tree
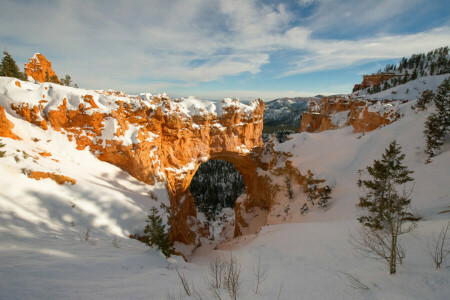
{"points": [[324, 196], [311, 187], [53, 78], [427, 97], [67, 80], [414, 75], [156, 234], [9, 67], [385, 207], [438, 124]]}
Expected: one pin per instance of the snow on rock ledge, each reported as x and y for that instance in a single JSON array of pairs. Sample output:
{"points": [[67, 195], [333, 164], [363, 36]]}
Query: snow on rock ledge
{"points": [[153, 138]]}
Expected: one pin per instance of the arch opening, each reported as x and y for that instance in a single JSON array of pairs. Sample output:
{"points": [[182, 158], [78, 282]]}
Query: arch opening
{"points": [[215, 187]]}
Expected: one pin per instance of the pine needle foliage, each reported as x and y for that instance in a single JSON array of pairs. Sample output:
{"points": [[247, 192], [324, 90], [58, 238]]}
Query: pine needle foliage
{"points": [[9, 68], [437, 125], [156, 234], [385, 207]]}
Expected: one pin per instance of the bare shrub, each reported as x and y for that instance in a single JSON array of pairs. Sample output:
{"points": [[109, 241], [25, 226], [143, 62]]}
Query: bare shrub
{"points": [[437, 248], [260, 273], [116, 242], [279, 291], [216, 272], [86, 236], [354, 281], [187, 289], [224, 273], [232, 275]]}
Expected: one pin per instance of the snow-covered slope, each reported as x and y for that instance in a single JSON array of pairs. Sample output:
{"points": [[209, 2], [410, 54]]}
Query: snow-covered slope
{"points": [[410, 90], [43, 225]]}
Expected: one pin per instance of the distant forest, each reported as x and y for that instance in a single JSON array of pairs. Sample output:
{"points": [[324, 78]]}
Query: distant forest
{"points": [[436, 62]]}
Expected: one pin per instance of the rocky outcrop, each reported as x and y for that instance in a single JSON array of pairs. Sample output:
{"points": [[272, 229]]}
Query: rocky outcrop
{"points": [[6, 126], [336, 112], [40, 69], [155, 138], [373, 80], [59, 179]]}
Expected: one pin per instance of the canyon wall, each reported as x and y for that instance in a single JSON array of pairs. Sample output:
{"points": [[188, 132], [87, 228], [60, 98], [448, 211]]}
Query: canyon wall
{"points": [[336, 112], [153, 138]]}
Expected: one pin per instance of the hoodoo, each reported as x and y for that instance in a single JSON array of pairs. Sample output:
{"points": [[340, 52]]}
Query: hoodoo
{"points": [[40, 69]]}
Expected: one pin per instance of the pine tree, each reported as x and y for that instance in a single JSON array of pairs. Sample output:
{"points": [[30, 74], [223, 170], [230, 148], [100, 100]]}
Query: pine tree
{"points": [[9, 67], [324, 196], [427, 97], [385, 207], [67, 80], [438, 124], [311, 187], [156, 234]]}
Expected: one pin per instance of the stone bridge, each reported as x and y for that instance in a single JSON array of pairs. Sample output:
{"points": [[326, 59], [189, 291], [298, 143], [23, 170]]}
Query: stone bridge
{"points": [[157, 139]]}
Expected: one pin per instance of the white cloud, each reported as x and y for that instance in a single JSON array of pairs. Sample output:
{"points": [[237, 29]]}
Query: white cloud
{"points": [[175, 43], [334, 54]]}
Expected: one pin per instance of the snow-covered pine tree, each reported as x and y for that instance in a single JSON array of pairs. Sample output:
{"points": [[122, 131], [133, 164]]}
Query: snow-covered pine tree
{"points": [[156, 235], [385, 208], [9, 68], [324, 196], [438, 124]]}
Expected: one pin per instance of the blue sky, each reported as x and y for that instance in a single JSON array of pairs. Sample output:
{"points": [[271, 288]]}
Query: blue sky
{"points": [[222, 48]]}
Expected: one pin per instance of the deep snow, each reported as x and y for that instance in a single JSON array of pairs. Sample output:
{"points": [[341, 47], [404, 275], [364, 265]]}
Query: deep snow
{"points": [[42, 225]]}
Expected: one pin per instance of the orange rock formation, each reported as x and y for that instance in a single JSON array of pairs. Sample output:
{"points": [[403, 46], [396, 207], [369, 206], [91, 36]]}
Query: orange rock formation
{"points": [[169, 146], [6, 126], [373, 80], [319, 116], [60, 179], [38, 67]]}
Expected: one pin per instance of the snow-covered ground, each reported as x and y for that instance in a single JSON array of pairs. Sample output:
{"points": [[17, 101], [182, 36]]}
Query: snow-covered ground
{"points": [[43, 225]]}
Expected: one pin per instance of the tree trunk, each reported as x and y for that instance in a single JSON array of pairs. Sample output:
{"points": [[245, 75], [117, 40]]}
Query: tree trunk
{"points": [[393, 258]]}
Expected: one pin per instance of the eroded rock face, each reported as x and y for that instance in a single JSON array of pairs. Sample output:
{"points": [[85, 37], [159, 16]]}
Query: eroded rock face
{"points": [[336, 112], [372, 80], [155, 138], [6, 126], [38, 67]]}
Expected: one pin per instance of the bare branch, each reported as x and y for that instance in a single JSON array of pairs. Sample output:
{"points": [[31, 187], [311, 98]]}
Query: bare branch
{"points": [[354, 281], [260, 273], [437, 248]]}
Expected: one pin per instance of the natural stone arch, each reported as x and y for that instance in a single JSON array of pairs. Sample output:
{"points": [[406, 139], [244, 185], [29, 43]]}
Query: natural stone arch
{"points": [[257, 194]]}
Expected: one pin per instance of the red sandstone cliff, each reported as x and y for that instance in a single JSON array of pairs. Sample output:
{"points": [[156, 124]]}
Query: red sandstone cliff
{"points": [[373, 80], [337, 112]]}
